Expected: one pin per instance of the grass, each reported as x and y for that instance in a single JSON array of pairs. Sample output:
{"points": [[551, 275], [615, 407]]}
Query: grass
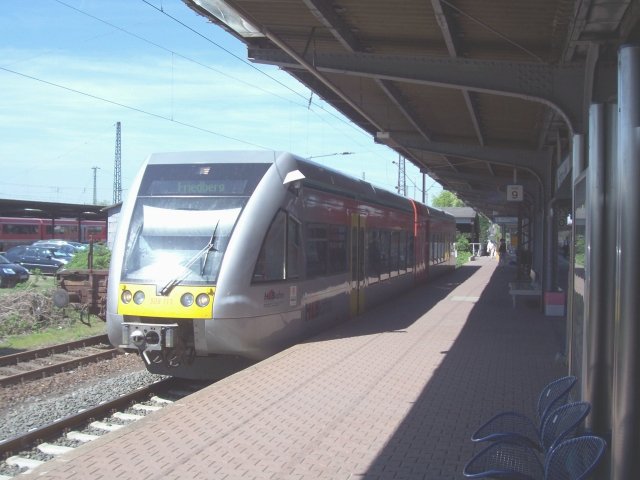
{"points": [[53, 335], [29, 320], [36, 282]]}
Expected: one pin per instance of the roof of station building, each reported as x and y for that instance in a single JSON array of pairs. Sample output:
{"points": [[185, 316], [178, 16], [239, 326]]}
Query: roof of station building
{"points": [[35, 209]]}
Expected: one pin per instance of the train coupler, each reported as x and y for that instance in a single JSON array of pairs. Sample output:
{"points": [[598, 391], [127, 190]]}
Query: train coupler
{"points": [[156, 343], [149, 336]]}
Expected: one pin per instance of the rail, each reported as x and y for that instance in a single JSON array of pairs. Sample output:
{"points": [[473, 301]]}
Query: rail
{"points": [[58, 427], [16, 358], [21, 359]]}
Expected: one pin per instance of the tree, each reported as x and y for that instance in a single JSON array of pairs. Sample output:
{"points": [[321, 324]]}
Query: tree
{"points": [[447, 199], [462, 242], [485, 223]]}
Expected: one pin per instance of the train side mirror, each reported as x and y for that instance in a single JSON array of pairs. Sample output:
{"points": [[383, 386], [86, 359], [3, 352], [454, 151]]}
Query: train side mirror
{"points": [[294, 178]]}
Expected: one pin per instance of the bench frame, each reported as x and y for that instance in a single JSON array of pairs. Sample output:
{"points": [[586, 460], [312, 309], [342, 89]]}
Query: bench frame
{"points": [[525, 288]]}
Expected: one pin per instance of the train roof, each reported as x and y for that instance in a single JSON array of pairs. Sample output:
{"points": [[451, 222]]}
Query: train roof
{"points": [[436, 212], [215, 156], [316, 175]]}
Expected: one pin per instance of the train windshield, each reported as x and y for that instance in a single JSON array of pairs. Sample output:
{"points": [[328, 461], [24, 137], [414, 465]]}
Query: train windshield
{"points": [[182, 222]]}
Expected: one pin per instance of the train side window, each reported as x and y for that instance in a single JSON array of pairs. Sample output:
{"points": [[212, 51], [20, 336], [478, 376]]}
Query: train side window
{"points": [[14, 229], [394, 254], [316, 249], [432, 249], [385, 247], [337, 249], [271, 260], [373, 263], [326, 249], [402, 252], [294, 248], [411, 260]]}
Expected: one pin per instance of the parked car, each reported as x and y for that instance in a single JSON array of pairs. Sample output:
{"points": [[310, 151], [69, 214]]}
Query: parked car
{"points": [[45, 259], [11, 273], [65, 248], [61, 243]]}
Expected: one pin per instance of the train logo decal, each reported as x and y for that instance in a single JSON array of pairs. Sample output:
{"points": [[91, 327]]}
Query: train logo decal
{"points": [[273, 298]]}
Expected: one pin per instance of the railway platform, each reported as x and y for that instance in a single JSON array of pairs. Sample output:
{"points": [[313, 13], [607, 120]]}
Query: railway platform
{"points": [[393, 394]]}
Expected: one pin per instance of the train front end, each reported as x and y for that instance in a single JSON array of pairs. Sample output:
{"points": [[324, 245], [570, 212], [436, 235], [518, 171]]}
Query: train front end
{"points": [[172, 236]]}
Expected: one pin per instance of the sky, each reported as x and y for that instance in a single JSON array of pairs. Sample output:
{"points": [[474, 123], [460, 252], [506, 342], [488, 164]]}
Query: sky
{"points": [[71, 69]]}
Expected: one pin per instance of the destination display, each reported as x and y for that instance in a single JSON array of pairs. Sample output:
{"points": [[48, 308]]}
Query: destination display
{"points": [[202, 180], [197, 187]]}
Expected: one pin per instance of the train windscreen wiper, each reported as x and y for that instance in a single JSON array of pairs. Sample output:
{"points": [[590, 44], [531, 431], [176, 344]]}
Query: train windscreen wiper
{"points": [[209, 248], [205, 251]]}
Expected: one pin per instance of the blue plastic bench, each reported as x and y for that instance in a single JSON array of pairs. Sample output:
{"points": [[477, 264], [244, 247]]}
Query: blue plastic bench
{"points": [[558, 425], [573, 459], [510, 424]]}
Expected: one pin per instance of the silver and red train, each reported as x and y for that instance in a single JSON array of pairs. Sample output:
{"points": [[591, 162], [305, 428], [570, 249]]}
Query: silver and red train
{"points": [[226, 258]]}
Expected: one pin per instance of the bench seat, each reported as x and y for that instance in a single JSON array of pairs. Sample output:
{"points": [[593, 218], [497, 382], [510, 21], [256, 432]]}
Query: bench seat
{"points": [[525, 288]]}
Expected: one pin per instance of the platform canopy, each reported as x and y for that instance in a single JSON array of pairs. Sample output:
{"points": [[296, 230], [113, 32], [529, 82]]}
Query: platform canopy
{"points": [[479, 95], [31, 209]]}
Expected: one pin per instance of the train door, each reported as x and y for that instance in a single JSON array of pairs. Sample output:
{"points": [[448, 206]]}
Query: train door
{"points": [[357, 264]]}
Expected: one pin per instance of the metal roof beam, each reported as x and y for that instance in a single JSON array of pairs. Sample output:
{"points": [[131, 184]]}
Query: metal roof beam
{"points": [[445, 26], [558, 86], [468, 100], [396, 97], [487, 180], [534, 161], [324, 12]]}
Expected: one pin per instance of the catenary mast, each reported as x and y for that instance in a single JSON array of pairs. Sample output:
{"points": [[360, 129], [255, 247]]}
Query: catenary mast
{"points": [[117, 184]]}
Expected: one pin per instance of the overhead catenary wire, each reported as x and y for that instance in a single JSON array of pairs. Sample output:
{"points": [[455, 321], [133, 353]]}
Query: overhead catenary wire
{"points": [[305, 104], [184, 57], [304, 101], [129, 107], [309, 102]]}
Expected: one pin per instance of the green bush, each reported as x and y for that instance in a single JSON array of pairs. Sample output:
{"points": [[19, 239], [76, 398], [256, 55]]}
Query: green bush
{"points": [[101, 258], [462, 243], [462, 258]]}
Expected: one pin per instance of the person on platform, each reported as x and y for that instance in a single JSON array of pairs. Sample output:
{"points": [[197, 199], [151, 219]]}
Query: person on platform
{"points": [[502, 252], [491, 249]]}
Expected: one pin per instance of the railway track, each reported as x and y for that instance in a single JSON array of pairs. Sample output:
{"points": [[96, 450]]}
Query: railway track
{"points": [[34, 364], [29, 450]]}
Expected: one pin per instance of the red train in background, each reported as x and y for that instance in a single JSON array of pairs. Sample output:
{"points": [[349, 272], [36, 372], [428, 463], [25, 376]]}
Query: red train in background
{"points": [[24, 231]]}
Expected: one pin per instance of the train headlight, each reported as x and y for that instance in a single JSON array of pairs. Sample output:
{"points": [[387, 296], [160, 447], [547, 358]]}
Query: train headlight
{"points": [[186, 300], [202, 300], [126, 296], [138, 297]]}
